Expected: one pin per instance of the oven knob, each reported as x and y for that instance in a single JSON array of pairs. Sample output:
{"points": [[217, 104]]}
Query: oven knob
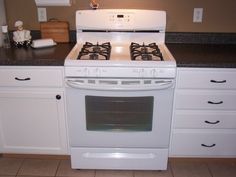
{"points": [[85, 72], [154, 73], [141, 72], [98, 72], [144, 73]]}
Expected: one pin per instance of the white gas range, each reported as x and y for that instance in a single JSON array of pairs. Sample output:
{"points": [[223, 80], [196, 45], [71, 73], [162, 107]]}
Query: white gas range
{"points": [[119, 85]]}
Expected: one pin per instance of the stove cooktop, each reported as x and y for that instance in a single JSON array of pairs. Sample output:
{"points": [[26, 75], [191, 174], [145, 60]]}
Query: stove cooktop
{"points": [[128, 54], [138, 52]]}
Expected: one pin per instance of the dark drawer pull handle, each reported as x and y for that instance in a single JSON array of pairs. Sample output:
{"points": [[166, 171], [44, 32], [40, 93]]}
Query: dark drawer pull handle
{"points": [[216, 122], [208, 146], [18, 79], [220, 102], [218, 82]]}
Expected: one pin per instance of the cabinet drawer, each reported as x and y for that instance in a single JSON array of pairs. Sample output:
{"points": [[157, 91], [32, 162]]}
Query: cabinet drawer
{"points": [[203, 143], [198, 78], [216, 100], [204, 119], [31, 77]]}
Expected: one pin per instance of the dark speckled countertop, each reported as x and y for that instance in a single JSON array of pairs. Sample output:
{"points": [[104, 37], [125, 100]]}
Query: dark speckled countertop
{"points": [[186, 55], [51, 56], [204, 55]]}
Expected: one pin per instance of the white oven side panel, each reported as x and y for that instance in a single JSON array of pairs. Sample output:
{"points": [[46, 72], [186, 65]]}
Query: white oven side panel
{"points": [[157, 138]]}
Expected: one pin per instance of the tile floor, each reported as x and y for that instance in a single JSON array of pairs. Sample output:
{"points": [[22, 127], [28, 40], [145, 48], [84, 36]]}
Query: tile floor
{"points": [[27, 167]]}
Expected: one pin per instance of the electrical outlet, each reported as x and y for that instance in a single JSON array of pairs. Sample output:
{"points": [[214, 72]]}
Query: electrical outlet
{"points": [[42, 14], [197, 15]]}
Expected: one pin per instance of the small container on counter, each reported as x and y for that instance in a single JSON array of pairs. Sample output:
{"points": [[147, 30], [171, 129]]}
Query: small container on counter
{"points": [[6, 40]]}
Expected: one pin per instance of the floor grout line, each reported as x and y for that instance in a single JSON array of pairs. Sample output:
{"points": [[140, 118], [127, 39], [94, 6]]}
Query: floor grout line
{"points": [[209, 169], [58, 166], [95, 173], [23, 160], [171, 170]]}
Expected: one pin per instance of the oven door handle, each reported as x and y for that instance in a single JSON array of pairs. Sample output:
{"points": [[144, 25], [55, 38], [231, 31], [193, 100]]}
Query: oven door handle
{"points": [[156, 85]]}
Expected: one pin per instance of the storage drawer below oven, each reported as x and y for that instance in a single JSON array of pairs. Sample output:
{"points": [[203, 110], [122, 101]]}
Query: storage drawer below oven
{"points": [[119, 158]]}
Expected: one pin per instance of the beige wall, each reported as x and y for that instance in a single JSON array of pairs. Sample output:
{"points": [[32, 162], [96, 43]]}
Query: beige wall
{"points": [[219, 15]]}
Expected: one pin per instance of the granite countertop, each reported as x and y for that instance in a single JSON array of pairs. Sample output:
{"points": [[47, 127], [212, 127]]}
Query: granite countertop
{"points": [[51, 56], [186, 55], [204, 55]]}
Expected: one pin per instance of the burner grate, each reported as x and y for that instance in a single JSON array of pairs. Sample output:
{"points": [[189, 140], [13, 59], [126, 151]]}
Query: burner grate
{"points": [[97, 51], [150, 52]]}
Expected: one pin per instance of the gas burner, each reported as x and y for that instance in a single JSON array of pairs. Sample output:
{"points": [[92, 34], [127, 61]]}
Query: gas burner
{"points": [[93, 56], [150, 52], [146, 57], [97, 51]]}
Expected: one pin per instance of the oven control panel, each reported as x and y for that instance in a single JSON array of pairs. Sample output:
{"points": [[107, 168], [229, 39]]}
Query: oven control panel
{"points": [[121, 18], [120, 72]]}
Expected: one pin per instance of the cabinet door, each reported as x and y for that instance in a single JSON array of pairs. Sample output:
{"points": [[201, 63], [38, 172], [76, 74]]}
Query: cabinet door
{"points": [[32, 122]]}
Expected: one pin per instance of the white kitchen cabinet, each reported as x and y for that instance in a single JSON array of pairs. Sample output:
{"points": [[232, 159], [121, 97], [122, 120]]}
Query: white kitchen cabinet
{"points": [[204, 116], [206, 78], [204, 143], [31, 77], [205, 99], [32, 111], [195, 119]]}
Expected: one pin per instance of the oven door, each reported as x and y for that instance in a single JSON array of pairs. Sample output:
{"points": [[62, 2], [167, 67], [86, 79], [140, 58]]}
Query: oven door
{"points": [[120, 116]]}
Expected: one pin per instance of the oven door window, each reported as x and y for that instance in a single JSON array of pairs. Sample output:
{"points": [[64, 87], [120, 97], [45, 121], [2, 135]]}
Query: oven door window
{"points": [[119, 113]]}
